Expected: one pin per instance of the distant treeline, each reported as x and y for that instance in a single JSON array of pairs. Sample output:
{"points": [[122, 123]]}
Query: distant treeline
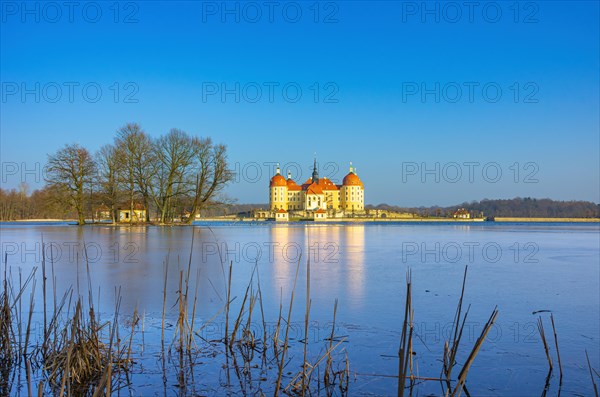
{"points": [[46, 203], [517, 207]]}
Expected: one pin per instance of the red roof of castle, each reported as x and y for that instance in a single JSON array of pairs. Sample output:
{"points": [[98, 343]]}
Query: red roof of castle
{"points": [[314, 188], [323, 184], [292, 185], [278, 180], [352, 180]]}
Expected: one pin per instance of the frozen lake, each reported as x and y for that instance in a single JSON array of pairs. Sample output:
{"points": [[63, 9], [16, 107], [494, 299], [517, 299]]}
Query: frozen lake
{"points": [[520, 268]]}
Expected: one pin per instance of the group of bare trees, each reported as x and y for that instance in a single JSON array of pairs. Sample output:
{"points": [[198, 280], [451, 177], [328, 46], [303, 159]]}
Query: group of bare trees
{"points": [[168, 175]]}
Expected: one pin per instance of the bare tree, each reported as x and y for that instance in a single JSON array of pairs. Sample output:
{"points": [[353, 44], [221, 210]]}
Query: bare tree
{"points": [[8, 205], [174, 153], [211, 174], [136, 155], [107, 161], [23, 187], [71, 169]]}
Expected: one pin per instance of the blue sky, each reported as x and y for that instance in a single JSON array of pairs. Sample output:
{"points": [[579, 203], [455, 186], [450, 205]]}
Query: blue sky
{"points": [[434, 103]]}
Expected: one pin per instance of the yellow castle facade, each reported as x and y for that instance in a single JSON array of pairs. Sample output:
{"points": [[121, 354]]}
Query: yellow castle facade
{"points": [[317, 194]]}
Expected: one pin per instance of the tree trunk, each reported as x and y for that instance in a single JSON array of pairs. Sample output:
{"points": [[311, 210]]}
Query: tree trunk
{"points": [[131, 213], [194, 211], [146, 206]]}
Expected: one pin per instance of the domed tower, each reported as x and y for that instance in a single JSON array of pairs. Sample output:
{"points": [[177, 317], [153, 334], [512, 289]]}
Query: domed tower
{"points": [[352, 193], [278, 192]]}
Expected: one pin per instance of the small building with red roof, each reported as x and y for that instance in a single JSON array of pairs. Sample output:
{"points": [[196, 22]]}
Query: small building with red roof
{"points": [[282, 215], [320, 215], [461, 213]]}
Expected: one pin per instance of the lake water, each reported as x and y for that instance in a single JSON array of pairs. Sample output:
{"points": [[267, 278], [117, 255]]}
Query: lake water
{"points": [[520, 268]]}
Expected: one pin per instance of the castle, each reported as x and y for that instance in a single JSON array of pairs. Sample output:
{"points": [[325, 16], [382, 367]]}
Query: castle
{"points": [[318, 196]]}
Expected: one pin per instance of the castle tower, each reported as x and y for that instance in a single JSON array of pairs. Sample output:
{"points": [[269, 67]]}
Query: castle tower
{"points": [[278, 192], [352, 193]]}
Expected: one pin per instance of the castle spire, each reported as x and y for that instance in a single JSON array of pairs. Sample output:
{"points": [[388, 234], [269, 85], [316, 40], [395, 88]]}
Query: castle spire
{"points": [[315, 174], [277, 170], [289, 174], [351, 169]]}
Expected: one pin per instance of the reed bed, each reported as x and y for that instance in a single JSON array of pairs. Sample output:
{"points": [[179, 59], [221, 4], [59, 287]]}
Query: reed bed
{"points": [[406, 366], [73, 355], [78, 353]]}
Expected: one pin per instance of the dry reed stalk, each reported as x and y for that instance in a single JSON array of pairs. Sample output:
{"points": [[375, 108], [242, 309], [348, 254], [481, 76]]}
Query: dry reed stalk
{"points": [[164, 308], [540, 326], [105, 380], [28, 372], [134, 322], [457, 334], [287, 334], [328, 366], [239, 317], [190, 262], [45, 343], [12, 351], [306, 321], [344, 386], [591, 374], [262, 313], [27, 335], [70, 346], [143, 331], [228, 302], [247, 343], [19, 320], [54, 321], [557, 351], [180, 318], [31, 307], [278, 328], [314, 366], [6, 348], [462, 377], [191, 333], [402, 352], [410, 348], [445, 363]]}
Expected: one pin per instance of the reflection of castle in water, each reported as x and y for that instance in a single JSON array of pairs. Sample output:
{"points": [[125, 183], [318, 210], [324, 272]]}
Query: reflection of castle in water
{"points": [[354, 254], [336, 253]]}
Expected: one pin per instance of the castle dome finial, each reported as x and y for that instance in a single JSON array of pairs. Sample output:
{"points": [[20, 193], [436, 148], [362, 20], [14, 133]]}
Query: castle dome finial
{"points": [[277, 170]]}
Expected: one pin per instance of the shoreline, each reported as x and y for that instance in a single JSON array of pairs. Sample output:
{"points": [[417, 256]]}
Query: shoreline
{"points": [[546, 220], [330, 220]]}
